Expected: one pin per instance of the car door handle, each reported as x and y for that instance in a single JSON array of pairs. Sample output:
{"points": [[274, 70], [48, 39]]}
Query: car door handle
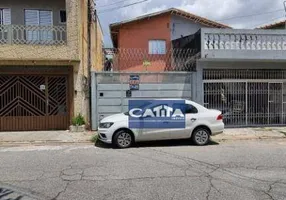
{"points": [[193, 119]]}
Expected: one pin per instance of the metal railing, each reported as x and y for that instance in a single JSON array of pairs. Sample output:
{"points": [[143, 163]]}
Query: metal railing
{"points": [[243, 44], [141, 60], [38, 35], [228, 39]]}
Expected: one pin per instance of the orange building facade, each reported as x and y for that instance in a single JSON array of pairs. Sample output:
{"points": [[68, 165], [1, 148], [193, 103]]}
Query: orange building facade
{"points": [[144, 43]]}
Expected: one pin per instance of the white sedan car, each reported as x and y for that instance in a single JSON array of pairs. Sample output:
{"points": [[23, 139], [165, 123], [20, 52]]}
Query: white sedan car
{"points": [[200, 124]]}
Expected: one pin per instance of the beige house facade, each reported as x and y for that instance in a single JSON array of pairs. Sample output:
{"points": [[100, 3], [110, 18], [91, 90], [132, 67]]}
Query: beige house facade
{"points": [[47, 50]]}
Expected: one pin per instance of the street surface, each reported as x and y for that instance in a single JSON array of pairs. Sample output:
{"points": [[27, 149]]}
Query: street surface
{"points": [[162, 170]]}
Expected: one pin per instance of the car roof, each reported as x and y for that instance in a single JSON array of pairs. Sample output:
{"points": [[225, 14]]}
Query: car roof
{"points": [[198, 106], [187, 101]]}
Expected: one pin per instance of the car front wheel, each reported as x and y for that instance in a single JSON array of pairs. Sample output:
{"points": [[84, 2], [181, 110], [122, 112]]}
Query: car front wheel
{"points": [[201, 136], [123, 139]]}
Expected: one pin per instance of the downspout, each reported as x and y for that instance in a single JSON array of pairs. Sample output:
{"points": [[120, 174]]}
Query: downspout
{"points": [[89, 23]]}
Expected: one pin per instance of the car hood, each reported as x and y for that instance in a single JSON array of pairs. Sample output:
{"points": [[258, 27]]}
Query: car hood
{"points": [[115, 118]]}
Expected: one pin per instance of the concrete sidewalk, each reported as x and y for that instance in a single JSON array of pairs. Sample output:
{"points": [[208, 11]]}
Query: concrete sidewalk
{"points": [[41, 137], [55, 137], [252, 133]]}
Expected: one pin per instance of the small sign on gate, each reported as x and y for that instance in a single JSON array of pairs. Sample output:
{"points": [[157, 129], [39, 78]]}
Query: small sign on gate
{"points": [[134, 82], [42, 87]]}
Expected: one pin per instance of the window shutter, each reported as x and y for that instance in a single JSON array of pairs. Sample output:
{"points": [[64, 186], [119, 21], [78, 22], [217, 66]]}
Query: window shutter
{"points": [[150, 47], [31, 17], [38, 18], [6, 16], [45, 18], [162, 47]]}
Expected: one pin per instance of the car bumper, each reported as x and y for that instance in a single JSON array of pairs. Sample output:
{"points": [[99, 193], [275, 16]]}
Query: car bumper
{"points": [[217, 129], [105, 136], [217, 133]]}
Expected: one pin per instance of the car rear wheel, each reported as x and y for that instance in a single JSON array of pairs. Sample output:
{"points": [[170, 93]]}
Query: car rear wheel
{"points": [[123, 139], [201, 136]]}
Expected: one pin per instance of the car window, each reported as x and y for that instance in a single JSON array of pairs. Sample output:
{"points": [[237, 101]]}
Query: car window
{"points": [[187, 108], [190, 109]]}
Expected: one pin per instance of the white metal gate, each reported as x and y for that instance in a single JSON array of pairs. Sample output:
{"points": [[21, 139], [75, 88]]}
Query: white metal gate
{"points": [[111, 90], [247, 102]]}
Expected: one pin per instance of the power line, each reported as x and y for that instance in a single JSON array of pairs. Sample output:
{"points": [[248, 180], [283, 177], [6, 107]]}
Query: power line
{"points": [[267, 22], [256, 14], [244, 16], [128, 5], [114, 3]]}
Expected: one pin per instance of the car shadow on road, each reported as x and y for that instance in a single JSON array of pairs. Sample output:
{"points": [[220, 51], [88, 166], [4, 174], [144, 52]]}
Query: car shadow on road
{"points": [[161, 143]]}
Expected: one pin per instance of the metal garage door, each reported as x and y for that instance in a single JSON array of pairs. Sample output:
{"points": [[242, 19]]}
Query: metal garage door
{"points": [[247, 97], [33, 102], [111, 91]]}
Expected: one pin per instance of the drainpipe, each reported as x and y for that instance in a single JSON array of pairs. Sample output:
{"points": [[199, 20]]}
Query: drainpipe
{"points": [[285, 12], [89, 23]]}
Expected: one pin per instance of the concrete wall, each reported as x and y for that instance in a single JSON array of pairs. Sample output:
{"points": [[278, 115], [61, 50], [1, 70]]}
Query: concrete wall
{"points": [[18, 6], [228, 65], [97, 45], [183, 27], [95, 63]]}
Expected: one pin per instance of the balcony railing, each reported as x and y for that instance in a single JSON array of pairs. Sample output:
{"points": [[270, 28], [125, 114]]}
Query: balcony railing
{"points": [[32, 35], [243, 44]]}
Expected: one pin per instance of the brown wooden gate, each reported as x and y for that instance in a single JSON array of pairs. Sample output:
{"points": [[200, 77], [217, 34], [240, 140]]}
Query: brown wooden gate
{"points": [[33, 102]]}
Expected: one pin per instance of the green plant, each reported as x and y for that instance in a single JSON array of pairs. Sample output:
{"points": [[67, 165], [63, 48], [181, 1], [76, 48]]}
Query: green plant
{"points": [[94, 138], [78, 120]]}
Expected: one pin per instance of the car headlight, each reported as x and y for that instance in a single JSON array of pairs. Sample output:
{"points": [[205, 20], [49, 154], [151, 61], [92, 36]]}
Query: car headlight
{"points": [[105, 125]]}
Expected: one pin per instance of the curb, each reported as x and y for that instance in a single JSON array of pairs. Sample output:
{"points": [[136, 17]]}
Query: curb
{"points": [[82, 142], [249, 138], [39, 143]]}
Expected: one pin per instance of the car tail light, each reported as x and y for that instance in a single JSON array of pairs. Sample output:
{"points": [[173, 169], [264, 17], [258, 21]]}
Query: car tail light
{"points": [[220, 117]]}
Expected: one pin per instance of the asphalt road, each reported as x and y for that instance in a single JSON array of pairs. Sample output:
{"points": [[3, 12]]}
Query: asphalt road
{"points": [[177, 170]]}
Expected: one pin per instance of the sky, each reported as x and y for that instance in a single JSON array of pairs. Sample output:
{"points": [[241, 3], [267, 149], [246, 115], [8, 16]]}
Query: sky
{"points": [[229, 12]]}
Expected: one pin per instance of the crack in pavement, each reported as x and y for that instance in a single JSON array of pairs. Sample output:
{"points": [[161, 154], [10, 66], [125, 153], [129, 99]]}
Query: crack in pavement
{"points": [[67, 182], [189, 166], [210, 165], [259, 167], [63, 191], [26, 192], [269, 190], [233, 174], [211, 186], [140, 178], [74, 172]]}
